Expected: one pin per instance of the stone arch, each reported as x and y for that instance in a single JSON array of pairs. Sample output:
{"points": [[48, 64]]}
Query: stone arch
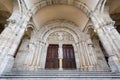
{"points": [[67, 26], [78, 4], [61, 29], [73, 44], [45, 3], [62, 24]]}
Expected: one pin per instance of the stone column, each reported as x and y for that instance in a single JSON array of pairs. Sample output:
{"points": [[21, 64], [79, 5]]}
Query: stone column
{"points": [[85, 58], [92, 55], [44, 47], [113, 35], [35, 56], [12, 35], [60, 55], [29, 58], [39, 55], [82, 58], [78, 56], [33, 59], [108, 44]]}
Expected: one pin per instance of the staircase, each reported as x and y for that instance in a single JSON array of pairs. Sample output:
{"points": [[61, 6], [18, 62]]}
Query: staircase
{"points": [[59, 75]]}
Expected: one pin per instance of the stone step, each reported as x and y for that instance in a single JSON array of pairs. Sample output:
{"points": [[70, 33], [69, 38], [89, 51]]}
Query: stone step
{"points": [[58, 74], [61, 71]]}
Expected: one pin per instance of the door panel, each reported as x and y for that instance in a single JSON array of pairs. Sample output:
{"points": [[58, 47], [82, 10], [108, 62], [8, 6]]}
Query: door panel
{"points": [[52, 61], [68, 57]]}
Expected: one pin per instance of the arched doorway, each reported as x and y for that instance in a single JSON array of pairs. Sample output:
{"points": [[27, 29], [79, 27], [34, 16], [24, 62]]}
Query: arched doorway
{"points": [[63, 52]]}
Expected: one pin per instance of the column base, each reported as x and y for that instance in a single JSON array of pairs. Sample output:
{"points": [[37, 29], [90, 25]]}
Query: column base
{"points": [[60, 69], [114, 63], [7, 64], [90, 68]]}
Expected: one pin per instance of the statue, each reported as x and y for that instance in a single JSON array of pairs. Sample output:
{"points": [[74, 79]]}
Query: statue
{"points": [[60, 36]]}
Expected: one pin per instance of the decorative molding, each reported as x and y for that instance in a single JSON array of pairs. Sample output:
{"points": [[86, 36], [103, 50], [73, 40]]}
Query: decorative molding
{"points": [[60, 25], [60, 36], [107, 24], [75, 3]]}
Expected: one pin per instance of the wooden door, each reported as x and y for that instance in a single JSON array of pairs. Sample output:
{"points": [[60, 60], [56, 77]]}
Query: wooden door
{"points": [[68, 57], [52, 61]]}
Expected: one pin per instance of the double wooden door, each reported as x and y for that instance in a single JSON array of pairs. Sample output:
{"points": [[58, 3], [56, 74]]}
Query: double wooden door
{"points": [[52, 60]]}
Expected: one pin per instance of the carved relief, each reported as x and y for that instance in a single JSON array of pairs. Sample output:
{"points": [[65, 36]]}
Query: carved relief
{"points": [[60, 36]]}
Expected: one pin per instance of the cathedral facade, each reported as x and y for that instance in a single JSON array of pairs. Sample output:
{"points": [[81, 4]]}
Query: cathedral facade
{"points": [[60, 39]]}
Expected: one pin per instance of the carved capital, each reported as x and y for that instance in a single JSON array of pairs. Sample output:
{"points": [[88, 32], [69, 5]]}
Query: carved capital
{"points": [[12, 21], [110, 23], [107, 23]]}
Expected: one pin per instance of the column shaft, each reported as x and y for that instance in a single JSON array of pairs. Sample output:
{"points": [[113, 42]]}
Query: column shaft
{"points": [[82, 56], [60, 53], [14, 37], [108, 44], [114, 35]]}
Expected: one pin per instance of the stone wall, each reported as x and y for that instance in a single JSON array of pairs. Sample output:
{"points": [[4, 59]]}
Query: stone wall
{"points": [[32, 53]]}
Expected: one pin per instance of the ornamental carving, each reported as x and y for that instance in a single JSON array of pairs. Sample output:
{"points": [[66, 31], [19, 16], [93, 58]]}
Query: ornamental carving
{"points": [[60, 36]]}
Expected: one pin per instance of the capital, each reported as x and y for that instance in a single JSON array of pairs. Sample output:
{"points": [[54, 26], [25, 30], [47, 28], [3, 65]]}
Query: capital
{"points": [[12, 21], [110, 23]]}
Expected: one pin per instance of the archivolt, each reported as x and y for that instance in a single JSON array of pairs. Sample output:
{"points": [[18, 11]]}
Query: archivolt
{"points": [[45, 3], [46, 35], [54, 25]]}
